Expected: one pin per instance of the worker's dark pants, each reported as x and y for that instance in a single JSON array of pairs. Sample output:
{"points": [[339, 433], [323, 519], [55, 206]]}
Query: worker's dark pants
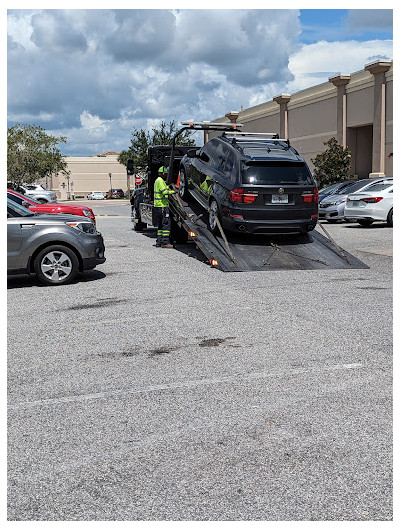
{"points": [[163, 225]]}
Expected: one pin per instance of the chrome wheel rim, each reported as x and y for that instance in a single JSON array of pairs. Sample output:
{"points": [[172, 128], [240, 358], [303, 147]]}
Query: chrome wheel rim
{"points": [[182, 185], [56, 266]]}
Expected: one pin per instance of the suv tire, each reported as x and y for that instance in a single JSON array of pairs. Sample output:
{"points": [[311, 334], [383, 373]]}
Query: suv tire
{"points": [[213, 213], [183, 186], [56, 265]]}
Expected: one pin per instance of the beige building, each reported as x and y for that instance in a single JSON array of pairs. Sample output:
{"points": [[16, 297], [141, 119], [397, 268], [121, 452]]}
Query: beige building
{"points": [[356, 109], [88, 174]]}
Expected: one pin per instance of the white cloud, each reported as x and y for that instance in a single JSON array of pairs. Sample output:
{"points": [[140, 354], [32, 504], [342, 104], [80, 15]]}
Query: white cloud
{"points": [[314, 63], [93, 75]]}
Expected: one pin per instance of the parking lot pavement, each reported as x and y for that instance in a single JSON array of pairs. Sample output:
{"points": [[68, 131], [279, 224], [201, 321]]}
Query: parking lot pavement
{"points": [[158, 388]]}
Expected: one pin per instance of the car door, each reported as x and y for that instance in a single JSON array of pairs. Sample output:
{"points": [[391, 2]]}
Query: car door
{"points": [[14, 243]]}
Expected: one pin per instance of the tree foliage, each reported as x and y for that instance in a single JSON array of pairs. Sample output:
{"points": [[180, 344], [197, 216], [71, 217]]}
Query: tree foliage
{"points": [[32, 154], [159, 136], [333, 164]]}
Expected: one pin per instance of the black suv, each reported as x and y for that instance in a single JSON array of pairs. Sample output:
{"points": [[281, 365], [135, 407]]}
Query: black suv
{"points": [[253, 182]]}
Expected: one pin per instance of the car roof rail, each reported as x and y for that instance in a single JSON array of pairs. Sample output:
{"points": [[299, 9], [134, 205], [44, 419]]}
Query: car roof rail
{"points": [[258, 138], [213, 126]]}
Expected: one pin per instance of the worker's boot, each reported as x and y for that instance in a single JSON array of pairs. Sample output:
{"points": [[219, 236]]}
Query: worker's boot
{"points": [[167, 246]]}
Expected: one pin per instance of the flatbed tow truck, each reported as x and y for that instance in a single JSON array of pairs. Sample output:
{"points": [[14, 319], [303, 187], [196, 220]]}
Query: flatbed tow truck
{"points": [[231, 252]]}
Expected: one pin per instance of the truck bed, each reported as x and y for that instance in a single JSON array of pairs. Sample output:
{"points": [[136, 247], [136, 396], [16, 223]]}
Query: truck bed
{"points": [[260, 252]]}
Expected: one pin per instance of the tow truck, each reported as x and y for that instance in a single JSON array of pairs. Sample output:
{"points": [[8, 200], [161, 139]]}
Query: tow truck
{"points": [[230, 252]]}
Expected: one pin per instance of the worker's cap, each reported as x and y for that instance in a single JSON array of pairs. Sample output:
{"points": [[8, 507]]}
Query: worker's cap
{"points": [[162, 169]]}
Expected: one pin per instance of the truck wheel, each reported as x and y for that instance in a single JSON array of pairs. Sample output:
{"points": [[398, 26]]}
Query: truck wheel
{"points": [[56, 265], [390, 218], [365, 222], [138, 225], [213, 213], [178, 234], [183, 186], [42, 201]]}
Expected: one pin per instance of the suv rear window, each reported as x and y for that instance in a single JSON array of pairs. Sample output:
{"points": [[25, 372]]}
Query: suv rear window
{"points": [[276, 172]]}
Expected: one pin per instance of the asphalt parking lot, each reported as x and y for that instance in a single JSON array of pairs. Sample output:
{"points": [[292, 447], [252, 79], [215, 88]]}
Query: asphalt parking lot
{"points": [[157, 388]]}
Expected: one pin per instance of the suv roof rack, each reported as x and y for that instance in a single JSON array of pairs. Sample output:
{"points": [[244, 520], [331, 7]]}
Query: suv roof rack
{"points": [[211, 125], [258, 138]]}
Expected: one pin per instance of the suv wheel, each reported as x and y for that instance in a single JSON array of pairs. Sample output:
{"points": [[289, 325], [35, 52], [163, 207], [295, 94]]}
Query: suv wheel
{"points": [[56, 265], [213, 214], [183, 186]]}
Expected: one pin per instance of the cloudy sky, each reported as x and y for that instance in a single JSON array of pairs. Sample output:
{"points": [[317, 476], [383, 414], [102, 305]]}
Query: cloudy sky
{"points": [[94, 74]]}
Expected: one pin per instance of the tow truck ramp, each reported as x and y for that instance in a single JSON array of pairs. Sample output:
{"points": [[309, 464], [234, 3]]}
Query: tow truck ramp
{"points": [[243, 252]]}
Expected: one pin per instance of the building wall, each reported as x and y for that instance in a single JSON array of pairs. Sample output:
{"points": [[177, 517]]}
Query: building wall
{"points": [[90, 174], [346, 107]]}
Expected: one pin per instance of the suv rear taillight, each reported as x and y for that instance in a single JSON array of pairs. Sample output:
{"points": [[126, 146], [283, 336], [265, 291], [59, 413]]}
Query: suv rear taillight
{"points": [[238, 195], [311, 198]]}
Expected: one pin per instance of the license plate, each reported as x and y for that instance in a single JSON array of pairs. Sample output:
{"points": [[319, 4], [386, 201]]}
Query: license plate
{"points": [[283, 198]]}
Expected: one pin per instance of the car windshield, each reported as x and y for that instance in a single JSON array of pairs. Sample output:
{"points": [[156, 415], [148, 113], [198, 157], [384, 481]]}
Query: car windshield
{"points": [[329, 188], [353, 187], [16, 210], [23, 197], [377, 187], [276, 172]]}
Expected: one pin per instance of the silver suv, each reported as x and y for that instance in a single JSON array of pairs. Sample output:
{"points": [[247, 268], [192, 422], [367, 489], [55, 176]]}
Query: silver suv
{"points": [[54, 247], [38, 193]]}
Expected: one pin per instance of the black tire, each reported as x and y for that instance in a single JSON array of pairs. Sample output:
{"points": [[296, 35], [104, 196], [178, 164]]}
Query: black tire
{"points": [[390, 218], [178, 234], [183, 186], [139, 225], [41, 201], [365, 222], [56, 265], [212, 224]]}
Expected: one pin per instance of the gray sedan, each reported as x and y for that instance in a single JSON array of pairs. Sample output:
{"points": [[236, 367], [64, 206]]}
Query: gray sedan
{"points": [[53, 246]]}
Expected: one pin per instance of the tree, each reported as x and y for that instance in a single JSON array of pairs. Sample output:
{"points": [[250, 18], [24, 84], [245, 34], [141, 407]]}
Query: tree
{"points": [[33, 155], [333, 164], [142, 139]]}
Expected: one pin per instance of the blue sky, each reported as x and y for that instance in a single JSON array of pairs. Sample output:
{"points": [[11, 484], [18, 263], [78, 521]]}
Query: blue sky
{"points": [[93, 74]]}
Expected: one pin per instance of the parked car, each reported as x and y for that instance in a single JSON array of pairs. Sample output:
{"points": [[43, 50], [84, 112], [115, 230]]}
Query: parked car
{"points": [[95, 195], [115, 193], [332, 207], [41, 196], [334, 188], [51, 208], [373, 204], [252, 184], [53, 247]]}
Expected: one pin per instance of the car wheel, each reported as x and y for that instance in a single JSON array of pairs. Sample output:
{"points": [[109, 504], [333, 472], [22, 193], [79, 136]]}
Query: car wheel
{"points": [[56, 265], [183, 186], [365, 222], [42, 201], [213, 214], [390, 218]]}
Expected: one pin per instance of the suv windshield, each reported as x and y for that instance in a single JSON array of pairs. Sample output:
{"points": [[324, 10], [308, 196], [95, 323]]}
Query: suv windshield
{"points": [[276, 172], [16, 210]]}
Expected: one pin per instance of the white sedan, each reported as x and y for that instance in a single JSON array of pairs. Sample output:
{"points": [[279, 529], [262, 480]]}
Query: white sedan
{"points": [[96, 195], [374, 204]]}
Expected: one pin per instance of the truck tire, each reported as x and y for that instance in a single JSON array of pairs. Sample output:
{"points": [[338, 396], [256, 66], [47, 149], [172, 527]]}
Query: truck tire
{"points": [[183, 186], [56, 265], [389, 220], [178, 234]]}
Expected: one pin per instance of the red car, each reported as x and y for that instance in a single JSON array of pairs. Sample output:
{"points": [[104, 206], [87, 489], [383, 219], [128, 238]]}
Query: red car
{"points": [[51, 208]]}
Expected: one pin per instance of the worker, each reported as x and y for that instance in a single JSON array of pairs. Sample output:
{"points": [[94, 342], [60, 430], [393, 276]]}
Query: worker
{"points": [[161, 193], [207, 185]]}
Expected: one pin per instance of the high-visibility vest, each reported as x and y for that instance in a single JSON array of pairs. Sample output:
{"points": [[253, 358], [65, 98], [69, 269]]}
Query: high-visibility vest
{"points": [[161, 193]]}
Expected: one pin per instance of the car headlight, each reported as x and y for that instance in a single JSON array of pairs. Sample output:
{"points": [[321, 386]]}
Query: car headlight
{"points": [[82, 226], [340, 201], [87, 213]]}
